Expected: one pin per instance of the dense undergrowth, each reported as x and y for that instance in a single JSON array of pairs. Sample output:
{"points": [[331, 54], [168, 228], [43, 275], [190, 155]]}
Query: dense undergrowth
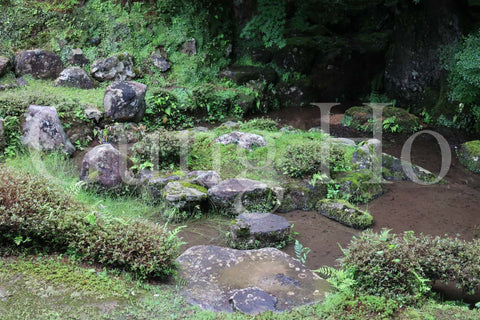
{"points": [[41, 217]]}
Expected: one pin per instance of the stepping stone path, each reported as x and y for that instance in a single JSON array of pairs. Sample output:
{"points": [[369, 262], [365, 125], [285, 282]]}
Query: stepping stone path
{"points": [[242, 139], [259, 230], [251, 281], [236, 196]]}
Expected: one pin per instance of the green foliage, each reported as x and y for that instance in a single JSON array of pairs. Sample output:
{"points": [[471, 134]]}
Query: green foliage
{"points": [[35, 209], [404, 268], [469, 155], [301, 252], [269, 23], [70, 104], [304, 159], [464, 81], [161, 150], [264, 124], [393, 119]]}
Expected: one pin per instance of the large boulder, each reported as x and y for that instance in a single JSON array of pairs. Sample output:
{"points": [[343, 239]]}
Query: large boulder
{"points": [[74, 77], [236, 196], [4, 64], [259, 230], [252, 281], [184, 196], [469, 155], [104, 166], [345, 213], [38, 63], [124, 101], [43, 131], [243, 74], [242, 139], [116, 68]]}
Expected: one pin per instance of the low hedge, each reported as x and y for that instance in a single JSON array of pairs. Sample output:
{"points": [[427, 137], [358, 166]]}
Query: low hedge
{"points": [[405, 267], [38, 215]]}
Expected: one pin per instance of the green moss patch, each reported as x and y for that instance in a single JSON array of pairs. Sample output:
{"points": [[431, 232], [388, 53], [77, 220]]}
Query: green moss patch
{"points": [[345, 213], [469, 155]]}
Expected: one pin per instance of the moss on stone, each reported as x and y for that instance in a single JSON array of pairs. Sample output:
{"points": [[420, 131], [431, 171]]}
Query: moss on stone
{"points": [[469, 155], [359, 186], [193, 186], [345, 213]]}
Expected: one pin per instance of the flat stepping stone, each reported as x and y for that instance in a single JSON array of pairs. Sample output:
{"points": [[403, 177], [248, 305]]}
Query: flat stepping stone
{"points": [[217, 276], [236, 196], [259, 230]]}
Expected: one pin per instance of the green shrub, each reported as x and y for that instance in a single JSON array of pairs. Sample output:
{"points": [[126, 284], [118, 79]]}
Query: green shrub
{"points": [[404, 268], [161, 149], [303, 159], [464, 81], [36, 214]]}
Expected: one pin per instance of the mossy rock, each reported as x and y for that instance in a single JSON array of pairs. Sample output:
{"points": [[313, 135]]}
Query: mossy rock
{"points": [[345, 213], [393, 169], [183, 200], [469, 155], [359, 186], [361, 118], [259, 230]]}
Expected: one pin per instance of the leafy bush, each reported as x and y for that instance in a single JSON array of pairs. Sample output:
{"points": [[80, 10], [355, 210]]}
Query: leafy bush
{"points": [[404, 268], [305, 158], [36, 214], [464, 81], [161, 149]]}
